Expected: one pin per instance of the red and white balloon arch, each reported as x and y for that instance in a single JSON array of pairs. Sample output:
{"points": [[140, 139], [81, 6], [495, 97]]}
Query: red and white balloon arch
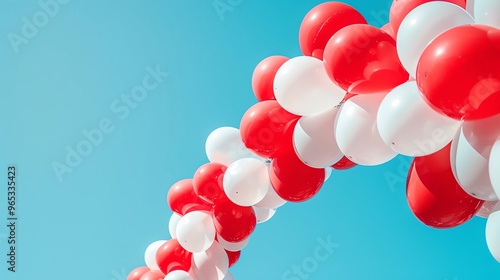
{"points": [[425, 85]]}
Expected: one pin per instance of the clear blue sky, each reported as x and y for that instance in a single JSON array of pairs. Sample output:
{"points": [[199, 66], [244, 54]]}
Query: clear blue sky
{"points": [[95, 220]]}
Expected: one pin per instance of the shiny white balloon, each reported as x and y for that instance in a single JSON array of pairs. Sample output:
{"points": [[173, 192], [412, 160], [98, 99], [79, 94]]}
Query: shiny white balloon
{"points": [[232, 246], [470, 6], [302, 87], [470, 156], [422, 25], [356, 131], [150, 254], [229, 276], [271, 200], [314, 139], [196, 231], [172, 224], [410, 126], [487, 12], [328, 173], [494, 167], [224, 145], [246, 181], [213, 264], [493, 232], [178, 275], [263, 214]]}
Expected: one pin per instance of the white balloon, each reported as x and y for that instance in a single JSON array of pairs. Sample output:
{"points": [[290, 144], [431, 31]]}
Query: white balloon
{"points": [[356, 131], [422, 25], [150, 254], [224, 146], [229, 276], [486, 209], [328, 173], [493, 232], [471, 150], [233, 246], [271, 200], [494, 167], [196, 231], [314, 139], [410, 126], [487, 12], [246, 181], [213, 264], [263, 214], [302, 87], [470, 6], [172, 224], [178, 275]]}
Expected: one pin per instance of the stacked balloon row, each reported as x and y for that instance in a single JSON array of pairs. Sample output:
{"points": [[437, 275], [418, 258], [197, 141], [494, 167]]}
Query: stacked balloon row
{"points": [[425, 85]]}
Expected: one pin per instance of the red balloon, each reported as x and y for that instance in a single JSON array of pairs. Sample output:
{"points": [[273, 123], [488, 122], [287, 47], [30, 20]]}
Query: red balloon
{"points": [[137, 273], [434, 195], [318, 54], [266, 128], [182, 199], [152, 275], [293, 180], [343, 164], [233, 257], [401, 8], [321, 22], [263, 77], [361, 58], [232, 222], [459, 74], [207, 182], [171, 256]]}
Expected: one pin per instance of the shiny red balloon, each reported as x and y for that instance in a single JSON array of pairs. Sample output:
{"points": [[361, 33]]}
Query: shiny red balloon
{"points": [[207, 182], [171, 256], [263, 77], [401, 8], [152, 275], [232, 222], [182, 198], [343, 164], [233, 257], [459, 74], [293, 180], [361, 58], [266, 128], [321, 22], [137, 273], [433, 194]]}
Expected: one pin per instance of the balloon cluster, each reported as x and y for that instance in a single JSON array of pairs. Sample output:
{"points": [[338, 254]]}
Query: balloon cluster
{"points": [[425, 85]]}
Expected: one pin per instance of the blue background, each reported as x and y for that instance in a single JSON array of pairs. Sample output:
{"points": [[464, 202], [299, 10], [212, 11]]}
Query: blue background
{"points": [[97, 222]]}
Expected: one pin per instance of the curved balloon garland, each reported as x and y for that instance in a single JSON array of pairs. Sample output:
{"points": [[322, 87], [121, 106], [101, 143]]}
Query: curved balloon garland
{"points": [[358, 95]]}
